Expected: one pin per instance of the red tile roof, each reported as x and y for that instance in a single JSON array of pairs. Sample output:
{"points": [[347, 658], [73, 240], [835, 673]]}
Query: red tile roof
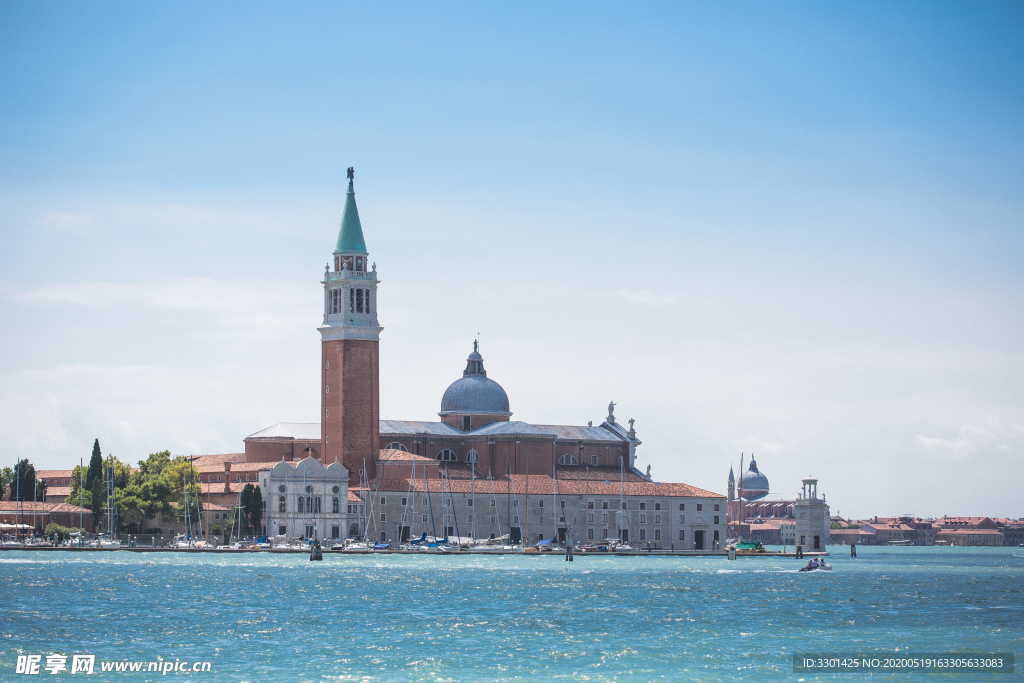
{"points": [[213, 487], [542, 484], [393, 454], [54, 474], [30, 506], [64, 491], [216, 458], [943, 532], [596, 473], [207, 468]]}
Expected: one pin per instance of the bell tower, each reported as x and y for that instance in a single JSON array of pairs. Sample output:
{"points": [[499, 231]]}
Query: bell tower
{"points": [[350, 336]]}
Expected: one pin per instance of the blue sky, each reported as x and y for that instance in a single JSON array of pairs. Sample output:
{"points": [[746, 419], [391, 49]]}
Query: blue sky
{"points": [[792, 228]]}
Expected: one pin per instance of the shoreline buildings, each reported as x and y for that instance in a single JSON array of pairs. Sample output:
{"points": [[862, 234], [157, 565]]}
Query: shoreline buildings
{"points": [[803, 521], [473, 473]]}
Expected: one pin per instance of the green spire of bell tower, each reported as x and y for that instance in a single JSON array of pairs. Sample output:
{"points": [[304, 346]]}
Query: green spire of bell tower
{"points": [[350, 237]]}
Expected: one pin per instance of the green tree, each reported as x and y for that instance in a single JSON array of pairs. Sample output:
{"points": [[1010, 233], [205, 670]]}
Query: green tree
{"points": [[79, 494], [94, 480], [150, 490], [6, 477], [252, 509], [23, 484]]}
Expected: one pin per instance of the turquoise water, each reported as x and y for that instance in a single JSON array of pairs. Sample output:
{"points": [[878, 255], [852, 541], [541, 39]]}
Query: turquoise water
{"points": [[266, 617]]}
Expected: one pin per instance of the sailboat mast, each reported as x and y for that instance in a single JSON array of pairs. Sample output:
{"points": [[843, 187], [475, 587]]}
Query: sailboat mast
{"points": [[472, 498]]}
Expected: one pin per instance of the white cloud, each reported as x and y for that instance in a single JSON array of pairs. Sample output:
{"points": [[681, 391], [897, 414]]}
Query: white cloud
{"points": [[973, 441], [249, 305]]}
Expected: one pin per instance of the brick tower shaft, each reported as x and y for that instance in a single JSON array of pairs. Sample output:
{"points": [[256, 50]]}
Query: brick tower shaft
{"points": [[350, 361]]}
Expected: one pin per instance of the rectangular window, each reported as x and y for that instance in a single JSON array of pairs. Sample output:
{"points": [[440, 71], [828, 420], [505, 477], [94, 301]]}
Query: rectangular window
{"points": [[590, 534], [515, 502], [657, 506], [540, 504], [682, 506], [643, 506], [493, 503], [593, 460], [643, 534], [716, 519], [716, 507], [657, 519], [657, 534], [682, 535], [700, 507], [335, 531], [682, 519], [282, 530], [604, 533], [383, 500], [469, 502], [405, 500], [590, 505], [643, 518], [466, 423], [604, 505], [383, 517], [309, 531], [359, 301], [590, 517]]}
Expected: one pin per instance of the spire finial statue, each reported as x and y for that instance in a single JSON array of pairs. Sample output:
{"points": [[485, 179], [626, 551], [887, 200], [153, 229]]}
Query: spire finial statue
{"points": [[351, 173], [476, 345], [611, 411]]}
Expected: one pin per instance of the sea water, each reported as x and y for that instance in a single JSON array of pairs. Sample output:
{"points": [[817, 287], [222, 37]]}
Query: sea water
{"points": [[262, 616]]}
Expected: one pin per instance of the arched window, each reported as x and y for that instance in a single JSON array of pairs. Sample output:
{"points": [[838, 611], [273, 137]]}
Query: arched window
{"points": [[446, 455], [568, 459], [282, 504], [398, 446], [302, 504], [335, 505], [472, 456]]}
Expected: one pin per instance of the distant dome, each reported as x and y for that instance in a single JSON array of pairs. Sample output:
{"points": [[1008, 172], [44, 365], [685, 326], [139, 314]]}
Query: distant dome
{"points": [[753, 484], [474, 393]]}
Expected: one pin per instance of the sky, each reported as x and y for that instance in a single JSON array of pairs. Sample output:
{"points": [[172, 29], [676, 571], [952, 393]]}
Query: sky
{"points": [[792, 229]]}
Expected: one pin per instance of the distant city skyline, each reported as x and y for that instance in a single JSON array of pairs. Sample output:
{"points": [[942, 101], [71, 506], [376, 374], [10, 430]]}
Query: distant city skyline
{"points": [[792, 230]]}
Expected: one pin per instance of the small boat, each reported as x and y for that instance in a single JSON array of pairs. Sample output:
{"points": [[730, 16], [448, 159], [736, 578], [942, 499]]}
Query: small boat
{"points": [[821, 567], [901, 541]]}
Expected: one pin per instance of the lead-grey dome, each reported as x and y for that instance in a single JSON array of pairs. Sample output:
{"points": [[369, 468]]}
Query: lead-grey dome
{"points": [[753, 484], [474, 393]]}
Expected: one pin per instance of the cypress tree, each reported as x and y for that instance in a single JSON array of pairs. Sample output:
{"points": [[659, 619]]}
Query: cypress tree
{"points": [[94, 479]]}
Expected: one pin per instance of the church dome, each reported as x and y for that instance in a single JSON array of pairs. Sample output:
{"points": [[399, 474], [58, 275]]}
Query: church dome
{"points": [[753, 484], [474, 393]]}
